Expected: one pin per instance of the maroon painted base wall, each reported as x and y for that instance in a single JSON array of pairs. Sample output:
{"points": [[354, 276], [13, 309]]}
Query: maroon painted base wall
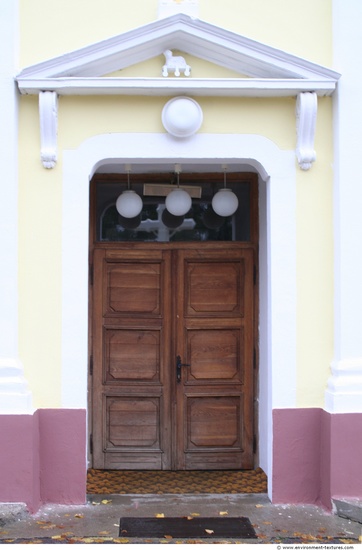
{"points": [[43, 457], [316, 456]]}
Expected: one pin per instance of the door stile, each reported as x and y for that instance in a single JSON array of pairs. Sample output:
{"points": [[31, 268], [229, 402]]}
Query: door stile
{"points": [[166, 421], [97, 354], [179, 354]]}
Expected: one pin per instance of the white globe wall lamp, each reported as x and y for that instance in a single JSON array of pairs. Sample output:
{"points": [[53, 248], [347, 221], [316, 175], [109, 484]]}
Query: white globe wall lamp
{"points": [[225, 202], [129, 204], [182, 117]]}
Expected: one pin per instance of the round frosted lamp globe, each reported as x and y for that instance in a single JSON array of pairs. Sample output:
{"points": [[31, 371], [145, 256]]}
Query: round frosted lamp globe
{"points": [[178, 202], [225, 202], [129, 204]]}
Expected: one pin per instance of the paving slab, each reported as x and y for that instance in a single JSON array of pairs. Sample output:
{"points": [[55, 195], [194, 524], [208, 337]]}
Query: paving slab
{"points": [[348, 508], [100, 517]]}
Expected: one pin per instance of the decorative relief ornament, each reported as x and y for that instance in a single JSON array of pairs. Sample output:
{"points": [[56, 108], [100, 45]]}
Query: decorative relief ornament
{"points": [[48, 113], [175, 64], [306, 114]]}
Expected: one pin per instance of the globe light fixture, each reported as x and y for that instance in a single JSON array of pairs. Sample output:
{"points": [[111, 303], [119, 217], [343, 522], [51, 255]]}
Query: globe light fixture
{"points": [[129, 204], [225, 202], [182, 117], [178, 202]]}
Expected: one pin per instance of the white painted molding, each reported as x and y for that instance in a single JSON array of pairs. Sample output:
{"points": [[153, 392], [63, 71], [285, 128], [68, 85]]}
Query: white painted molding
{"points": [[15, 397], [48, 112], [179, 32], [306, 115], [170, 7], [211, 87], [344, 390]]}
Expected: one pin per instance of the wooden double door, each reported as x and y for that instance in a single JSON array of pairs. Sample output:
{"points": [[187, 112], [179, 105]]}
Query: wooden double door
{"points": [[173, 347]]}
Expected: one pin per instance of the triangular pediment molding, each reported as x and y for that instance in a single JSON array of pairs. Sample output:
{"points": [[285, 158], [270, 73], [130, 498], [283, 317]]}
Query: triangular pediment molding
{"points": [[264, 72], [270, 70]]}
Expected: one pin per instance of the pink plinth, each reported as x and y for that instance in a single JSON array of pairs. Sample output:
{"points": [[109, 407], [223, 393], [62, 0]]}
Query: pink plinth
{"points": [[316, 456], [43, 457]]}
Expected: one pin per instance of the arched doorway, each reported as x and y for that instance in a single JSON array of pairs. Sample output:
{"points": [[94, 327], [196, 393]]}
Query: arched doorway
{"points": [[277, 253], [174, 317]]}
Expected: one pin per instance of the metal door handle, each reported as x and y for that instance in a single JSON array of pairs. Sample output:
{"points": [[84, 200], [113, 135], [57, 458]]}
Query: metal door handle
{"points": [[179, 364]]}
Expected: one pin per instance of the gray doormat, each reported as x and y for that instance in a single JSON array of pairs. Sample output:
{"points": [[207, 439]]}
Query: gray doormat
{"points": [[187, 528]]}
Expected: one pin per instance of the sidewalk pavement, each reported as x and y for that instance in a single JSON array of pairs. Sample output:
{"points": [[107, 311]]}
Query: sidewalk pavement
{"points": [[99, 520]]}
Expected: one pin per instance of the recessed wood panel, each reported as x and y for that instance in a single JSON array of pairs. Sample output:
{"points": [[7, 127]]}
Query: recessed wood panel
{"points": [[213, 288], [213, 422], [134, 288], [132, 355], [133, 422], [214, 355]]}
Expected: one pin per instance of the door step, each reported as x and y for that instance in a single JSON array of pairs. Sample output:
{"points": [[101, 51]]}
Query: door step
{"points": [[176, 482], [348, 508]]}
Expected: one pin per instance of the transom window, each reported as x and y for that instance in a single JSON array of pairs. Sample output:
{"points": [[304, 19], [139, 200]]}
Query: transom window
{"points": [[156, 224]]}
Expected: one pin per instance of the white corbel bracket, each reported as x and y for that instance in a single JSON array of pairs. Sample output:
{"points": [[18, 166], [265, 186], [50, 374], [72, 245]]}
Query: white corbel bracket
{"points": [[306, 114], [48, 112]]}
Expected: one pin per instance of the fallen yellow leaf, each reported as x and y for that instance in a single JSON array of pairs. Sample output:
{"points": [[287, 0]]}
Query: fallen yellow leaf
{"points": [[103, 532], [209, 531], [160, 515], [223, 513], [105, 501], [168, 537], [195, 514], [57, 537], [121, 541], [258, 506], [79, 516]]}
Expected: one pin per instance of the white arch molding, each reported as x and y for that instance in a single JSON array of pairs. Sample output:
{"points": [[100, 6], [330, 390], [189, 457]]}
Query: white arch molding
{"points": [[277, 387]]}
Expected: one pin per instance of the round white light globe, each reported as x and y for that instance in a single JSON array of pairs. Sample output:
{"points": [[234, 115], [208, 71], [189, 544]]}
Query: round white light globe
{"points": [[182, 116], [225, 202], [178, 202], [129, 204]]}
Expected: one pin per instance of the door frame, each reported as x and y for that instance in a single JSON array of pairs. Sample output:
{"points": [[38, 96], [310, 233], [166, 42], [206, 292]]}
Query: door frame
{"points": [[252, 244], [277, 175]]}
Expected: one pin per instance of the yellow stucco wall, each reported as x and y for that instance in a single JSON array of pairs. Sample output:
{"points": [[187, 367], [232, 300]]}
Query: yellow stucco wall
{"points": [[276, 22]]}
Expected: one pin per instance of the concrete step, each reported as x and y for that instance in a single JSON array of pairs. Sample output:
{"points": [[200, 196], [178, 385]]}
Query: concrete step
{"points": [[349, 508]]}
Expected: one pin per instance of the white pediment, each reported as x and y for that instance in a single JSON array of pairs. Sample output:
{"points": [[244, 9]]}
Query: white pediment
{"points": [[259, 71], [270, 72]]}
